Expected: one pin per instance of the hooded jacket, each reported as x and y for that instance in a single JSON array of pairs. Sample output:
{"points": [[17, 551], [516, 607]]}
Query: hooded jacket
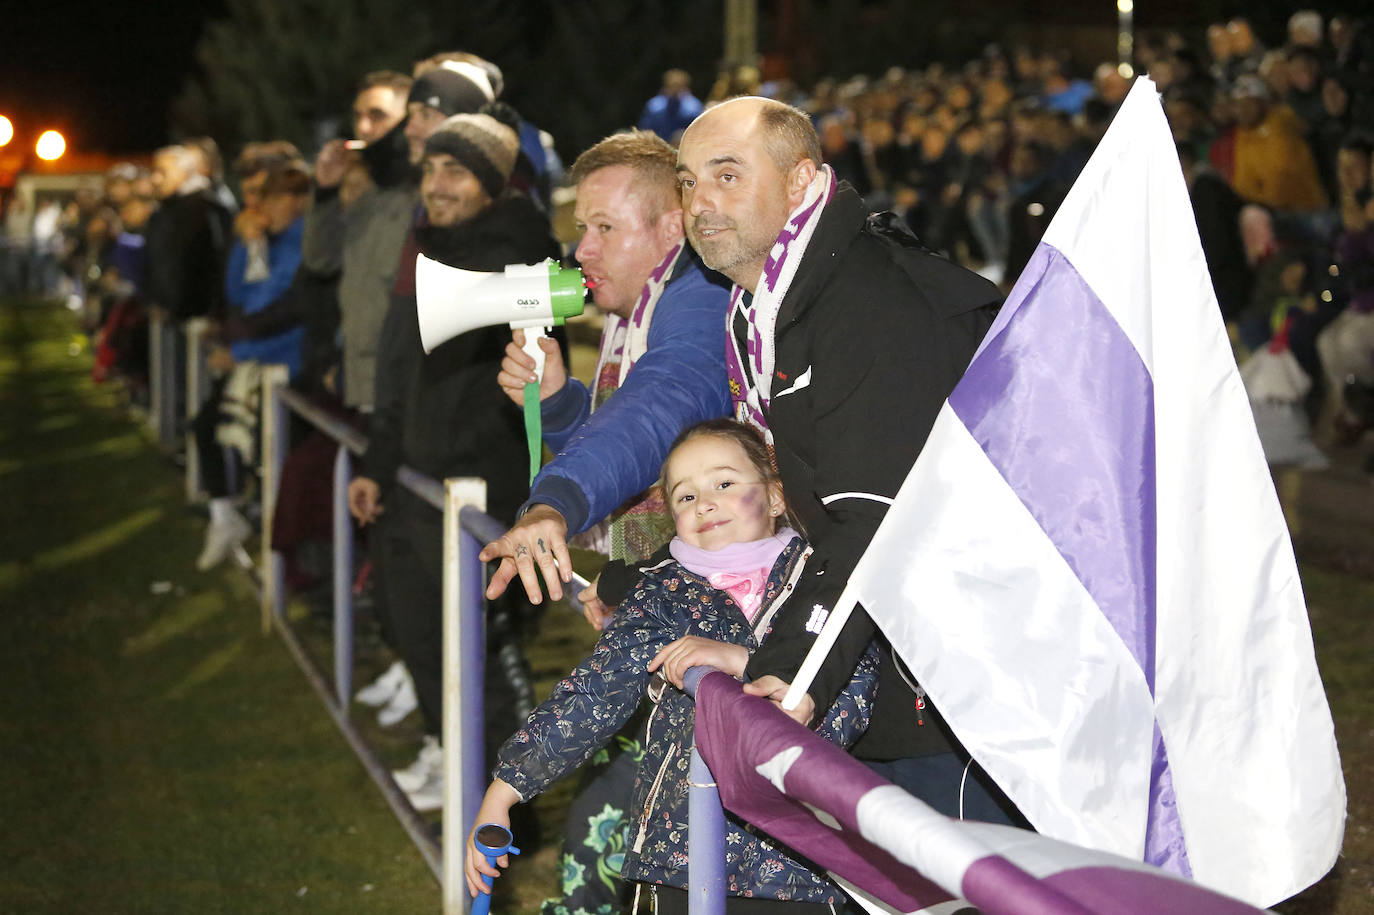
{"points": [[593, 702], [444, 414], [363, 244], [872, 336]]}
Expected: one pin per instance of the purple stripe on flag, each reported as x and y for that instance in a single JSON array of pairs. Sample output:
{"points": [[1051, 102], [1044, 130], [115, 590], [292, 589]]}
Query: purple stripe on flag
{"points": [[994, 884], [1064, 409], [1117, 891], [1063, 406]]}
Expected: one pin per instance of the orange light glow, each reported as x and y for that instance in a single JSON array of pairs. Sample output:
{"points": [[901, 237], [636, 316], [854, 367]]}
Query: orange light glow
{"points": [[50, 145]]}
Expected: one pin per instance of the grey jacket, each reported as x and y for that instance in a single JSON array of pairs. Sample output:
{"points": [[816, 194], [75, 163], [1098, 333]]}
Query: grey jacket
{"points": [[364, 242]]}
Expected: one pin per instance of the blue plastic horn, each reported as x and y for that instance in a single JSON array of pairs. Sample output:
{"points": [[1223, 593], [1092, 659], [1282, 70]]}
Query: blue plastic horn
{"points": [[493, 841]]}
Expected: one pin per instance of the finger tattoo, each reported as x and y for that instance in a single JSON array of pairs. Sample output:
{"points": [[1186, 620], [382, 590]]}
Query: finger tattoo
{"points": [[522, 550], [542, 548]]}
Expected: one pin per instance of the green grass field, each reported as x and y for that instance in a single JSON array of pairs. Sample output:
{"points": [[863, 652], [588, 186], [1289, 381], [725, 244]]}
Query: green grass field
{"points": [[159, 754]]}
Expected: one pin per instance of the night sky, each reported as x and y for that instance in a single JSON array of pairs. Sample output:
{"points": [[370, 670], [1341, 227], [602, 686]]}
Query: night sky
{"points": [[102, 72], [106, 72]]}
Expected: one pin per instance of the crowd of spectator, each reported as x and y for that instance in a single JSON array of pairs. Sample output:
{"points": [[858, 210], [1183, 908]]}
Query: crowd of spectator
{"points": [[305, 265], [1274, 141]]}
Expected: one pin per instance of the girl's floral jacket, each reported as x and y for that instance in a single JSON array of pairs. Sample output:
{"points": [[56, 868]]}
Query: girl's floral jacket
{"points": [[598, 697]]}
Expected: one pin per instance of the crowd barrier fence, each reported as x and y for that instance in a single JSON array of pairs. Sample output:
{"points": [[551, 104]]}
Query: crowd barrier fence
{"points": [[466, 528]]}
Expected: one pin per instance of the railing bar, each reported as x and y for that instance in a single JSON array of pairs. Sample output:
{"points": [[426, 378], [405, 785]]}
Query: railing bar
{"points": [[415, 825], [331, 426]]}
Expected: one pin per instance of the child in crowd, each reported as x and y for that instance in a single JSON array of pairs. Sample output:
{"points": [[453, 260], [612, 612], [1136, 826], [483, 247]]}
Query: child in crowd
{"points": [[732, 563]]}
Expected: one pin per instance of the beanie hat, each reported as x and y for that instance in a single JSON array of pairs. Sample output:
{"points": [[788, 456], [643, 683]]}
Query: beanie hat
{"points": [[453, 87], [484, 145]]}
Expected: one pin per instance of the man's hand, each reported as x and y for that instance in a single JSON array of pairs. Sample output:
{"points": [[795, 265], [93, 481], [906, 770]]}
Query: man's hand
{"points": [[250, 225], [219, 360], [517, 369], [331, 164], [677, 657], [365, 500], [538, 541], [593, 608], [774, 688]]}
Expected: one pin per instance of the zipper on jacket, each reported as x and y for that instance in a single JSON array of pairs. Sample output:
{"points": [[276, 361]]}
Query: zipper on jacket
{"points": [[765, 617], [653, 796]]}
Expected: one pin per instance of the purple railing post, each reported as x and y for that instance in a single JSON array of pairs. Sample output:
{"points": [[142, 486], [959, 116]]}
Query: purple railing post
{"points": [[464, 669], [705, 827], [343, 580]]}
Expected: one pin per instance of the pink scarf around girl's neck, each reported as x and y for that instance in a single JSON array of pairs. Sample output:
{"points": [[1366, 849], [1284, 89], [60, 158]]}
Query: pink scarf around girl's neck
{"points": [[739, 569]]}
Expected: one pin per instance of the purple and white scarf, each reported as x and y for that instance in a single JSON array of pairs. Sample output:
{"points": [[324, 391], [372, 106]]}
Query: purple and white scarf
{"points": [[640, 526], [752, 390]]}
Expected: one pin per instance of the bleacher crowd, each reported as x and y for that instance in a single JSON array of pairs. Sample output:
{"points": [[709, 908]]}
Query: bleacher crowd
{"points": [[311, 266]]}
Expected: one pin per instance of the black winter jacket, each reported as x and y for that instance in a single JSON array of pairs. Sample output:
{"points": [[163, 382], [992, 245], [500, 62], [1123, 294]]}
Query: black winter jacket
{"points": [[188, 239], [883, 329], [443, 414]]}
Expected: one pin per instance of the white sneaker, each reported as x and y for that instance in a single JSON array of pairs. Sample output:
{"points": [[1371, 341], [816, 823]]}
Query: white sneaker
{"points": [[429, 797], [221, 537], [381, 690], [430, 762], [401, 704]]}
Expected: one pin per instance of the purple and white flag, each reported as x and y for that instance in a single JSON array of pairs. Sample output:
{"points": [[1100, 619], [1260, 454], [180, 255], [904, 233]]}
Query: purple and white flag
{"points": [[1088, 569], [905, 857]]}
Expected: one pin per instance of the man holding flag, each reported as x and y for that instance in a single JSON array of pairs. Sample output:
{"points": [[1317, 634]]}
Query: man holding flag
{"points": [[844, 339], [1087, 567]]}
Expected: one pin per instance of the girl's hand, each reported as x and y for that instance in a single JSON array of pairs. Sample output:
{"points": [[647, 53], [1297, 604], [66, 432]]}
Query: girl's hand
{"points": [[677, 657], [496, 805], [593, 608]]}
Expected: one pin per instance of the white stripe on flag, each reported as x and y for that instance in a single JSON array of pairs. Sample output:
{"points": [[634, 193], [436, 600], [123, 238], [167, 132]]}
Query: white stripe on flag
{"points": [[1240, 703], [989, 610]]}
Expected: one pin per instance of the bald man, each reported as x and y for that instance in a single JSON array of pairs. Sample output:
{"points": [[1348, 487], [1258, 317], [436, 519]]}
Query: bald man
{"points": [[845, 337]]}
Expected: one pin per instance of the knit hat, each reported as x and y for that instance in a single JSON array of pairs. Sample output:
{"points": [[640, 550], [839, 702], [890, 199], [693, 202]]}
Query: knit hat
{"points": [[454, 87], [484, 145]]}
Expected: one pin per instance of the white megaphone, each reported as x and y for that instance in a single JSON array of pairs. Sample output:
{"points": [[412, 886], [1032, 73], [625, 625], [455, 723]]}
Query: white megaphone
{"points": [[534, 298]]}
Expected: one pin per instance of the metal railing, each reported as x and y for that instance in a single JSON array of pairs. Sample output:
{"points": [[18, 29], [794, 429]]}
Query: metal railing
{"points": [[466, 528]]}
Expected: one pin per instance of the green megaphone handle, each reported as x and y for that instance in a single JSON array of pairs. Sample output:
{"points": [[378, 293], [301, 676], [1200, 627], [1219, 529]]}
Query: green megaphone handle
{"points": [[534, 427]]}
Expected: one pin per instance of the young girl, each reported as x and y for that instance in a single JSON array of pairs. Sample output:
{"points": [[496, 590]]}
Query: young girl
{"points": [[733, 561]]}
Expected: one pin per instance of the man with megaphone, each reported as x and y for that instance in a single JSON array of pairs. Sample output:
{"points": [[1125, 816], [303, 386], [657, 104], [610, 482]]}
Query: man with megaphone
{"points": [[443, 414], [660, 370]]}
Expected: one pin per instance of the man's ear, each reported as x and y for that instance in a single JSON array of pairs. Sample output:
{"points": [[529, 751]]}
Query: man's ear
{"points": [[799, 179], [670, 230]]}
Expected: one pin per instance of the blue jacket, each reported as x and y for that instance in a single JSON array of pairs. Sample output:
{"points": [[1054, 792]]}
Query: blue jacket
{"points": [[599, 696], [603, 458], [284, 256]]}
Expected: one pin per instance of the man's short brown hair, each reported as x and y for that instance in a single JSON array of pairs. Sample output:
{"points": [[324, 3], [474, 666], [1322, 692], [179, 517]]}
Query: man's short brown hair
{"points": [[262, 156], [396, 82], [290, 179], [653, 161], [788, 136]]}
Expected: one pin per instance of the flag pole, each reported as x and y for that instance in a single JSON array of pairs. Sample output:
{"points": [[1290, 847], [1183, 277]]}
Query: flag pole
{"points": [[820, 648]]}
